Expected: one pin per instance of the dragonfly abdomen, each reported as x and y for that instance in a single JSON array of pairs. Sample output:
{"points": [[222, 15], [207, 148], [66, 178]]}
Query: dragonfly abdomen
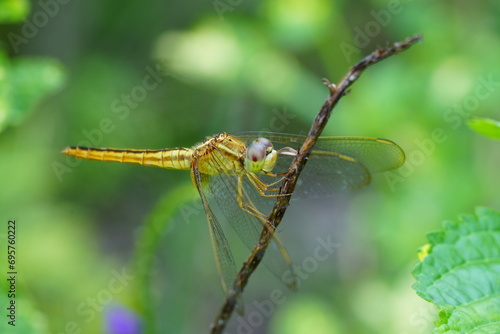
{"points": [[178, 158]]}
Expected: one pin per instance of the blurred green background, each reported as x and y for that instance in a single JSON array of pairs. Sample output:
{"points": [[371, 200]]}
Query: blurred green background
{"points": [[167, 74]]}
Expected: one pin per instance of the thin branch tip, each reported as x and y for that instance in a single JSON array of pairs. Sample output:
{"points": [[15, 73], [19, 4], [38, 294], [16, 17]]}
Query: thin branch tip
{"points": [[331, 86]]}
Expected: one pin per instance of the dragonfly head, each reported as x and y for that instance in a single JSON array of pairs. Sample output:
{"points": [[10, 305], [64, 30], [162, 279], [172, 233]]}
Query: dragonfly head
{"points": [[261, 156]]}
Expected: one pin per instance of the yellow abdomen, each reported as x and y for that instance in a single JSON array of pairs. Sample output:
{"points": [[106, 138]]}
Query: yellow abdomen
{"points": [[178, 158]]}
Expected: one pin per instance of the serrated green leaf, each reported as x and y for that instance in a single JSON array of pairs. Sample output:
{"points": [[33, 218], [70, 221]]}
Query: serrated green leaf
{"points": [[12, 11], [461, 274], [23, 83], [485, 126]]}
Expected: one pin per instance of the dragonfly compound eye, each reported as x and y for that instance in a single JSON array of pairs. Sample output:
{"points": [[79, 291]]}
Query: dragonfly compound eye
{"points": [[256, 152], [256, 157], [266, 142]]}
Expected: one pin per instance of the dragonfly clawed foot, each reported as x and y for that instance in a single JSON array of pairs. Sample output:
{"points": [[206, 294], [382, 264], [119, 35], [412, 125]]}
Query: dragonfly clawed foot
{"points": [[251, 209], [264, 189]]}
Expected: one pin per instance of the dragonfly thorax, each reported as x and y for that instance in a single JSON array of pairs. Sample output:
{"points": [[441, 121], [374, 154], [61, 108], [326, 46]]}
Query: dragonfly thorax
{"points": [[220, 154]]}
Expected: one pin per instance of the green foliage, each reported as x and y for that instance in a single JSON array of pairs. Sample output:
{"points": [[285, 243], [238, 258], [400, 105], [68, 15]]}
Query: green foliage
{"points": [[154, 229], [23, 83], [460, 274], [485, 126], [13, 10], [306, 312]]}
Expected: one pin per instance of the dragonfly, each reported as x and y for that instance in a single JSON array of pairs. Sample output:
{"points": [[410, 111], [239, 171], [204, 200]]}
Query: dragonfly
{"points": [[238, 179]]}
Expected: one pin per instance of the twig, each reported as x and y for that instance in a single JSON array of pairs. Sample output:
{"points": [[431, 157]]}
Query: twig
{"points": [[336, 93]]}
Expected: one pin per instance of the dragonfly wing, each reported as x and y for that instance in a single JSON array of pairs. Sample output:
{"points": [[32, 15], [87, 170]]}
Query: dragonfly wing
{"points": [[376, 154], [223, 256], [222, 190], [346, 163], [336, 163]]}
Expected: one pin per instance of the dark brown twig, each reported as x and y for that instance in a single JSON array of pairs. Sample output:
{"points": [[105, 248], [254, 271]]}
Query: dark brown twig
{"points": [[336, 93]]}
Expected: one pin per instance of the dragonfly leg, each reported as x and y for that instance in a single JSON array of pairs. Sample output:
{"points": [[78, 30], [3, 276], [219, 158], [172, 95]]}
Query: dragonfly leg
{"points": [[264, 188], [274, 175], [267, 185], [247, 205]]}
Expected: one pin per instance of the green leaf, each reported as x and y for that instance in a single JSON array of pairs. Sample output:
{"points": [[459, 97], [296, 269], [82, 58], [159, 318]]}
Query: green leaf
{"points": [[12, 11], [461, 274], [485, 126], [24, 82]]}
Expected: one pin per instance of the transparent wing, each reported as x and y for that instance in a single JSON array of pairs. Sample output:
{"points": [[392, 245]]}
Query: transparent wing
{"points": [[336, 163], [223, 257], [228, 192]]}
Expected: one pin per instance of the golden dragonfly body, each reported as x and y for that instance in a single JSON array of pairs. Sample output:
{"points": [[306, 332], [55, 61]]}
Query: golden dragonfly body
{"points": [[240, 176]]}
